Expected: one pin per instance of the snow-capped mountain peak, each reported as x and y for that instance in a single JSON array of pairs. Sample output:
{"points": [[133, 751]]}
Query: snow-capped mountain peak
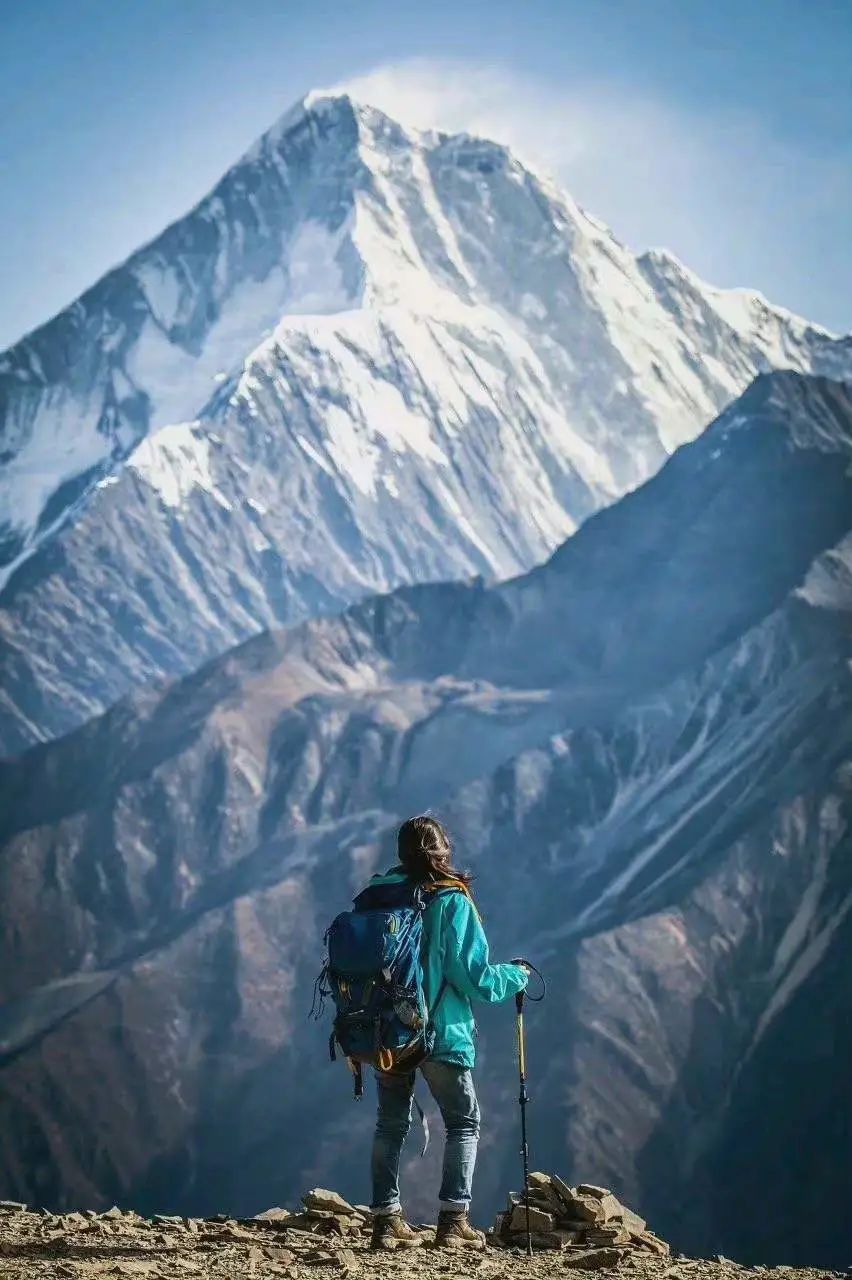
{"points": [[417, 356]]}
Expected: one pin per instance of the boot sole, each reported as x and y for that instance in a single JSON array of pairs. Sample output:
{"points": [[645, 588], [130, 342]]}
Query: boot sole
{"points": [[388, 1246]]}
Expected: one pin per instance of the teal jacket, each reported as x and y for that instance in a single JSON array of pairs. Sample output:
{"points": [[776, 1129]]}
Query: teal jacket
{"points": [[455, 948]]}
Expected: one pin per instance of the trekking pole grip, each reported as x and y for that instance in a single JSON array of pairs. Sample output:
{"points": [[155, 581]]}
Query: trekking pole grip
{"points": [[519, 995]]}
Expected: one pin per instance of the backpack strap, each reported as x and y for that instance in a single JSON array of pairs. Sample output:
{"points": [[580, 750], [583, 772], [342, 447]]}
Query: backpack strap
{"points": [[439, 887], [449, 882]]}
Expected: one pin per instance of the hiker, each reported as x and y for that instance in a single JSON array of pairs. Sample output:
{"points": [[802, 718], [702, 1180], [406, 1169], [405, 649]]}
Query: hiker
{"points": [[456, 970]]}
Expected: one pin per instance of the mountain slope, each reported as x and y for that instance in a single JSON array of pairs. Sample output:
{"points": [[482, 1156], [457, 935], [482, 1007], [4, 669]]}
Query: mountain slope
{"points": [[371, 356], [644, 750]]}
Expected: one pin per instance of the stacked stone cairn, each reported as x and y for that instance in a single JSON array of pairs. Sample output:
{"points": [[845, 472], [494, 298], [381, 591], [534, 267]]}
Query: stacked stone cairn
{"points": [[323, 1213], [585, 1219]]}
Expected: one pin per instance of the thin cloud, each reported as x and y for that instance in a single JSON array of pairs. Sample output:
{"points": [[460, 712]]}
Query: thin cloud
{"points": [[737, 203]]}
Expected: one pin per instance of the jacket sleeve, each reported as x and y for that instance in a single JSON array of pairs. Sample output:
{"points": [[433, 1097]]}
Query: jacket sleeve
{"points": [[466, 964]]}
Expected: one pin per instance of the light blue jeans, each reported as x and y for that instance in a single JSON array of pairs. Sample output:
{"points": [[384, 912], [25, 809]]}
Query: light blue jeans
{"points": [[453, 1091]]}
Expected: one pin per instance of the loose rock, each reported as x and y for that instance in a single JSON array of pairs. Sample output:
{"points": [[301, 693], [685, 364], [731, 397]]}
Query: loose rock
{"points": [[594, 1259], [319, 1198], [82, 1246], [538, 1220], [273, 1215], [568, 1218]]}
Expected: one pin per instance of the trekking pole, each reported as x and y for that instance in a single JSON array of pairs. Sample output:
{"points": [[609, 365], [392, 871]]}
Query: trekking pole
{"points": [[523, 1099]]}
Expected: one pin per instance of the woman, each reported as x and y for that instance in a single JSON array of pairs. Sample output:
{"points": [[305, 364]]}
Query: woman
{"points": [[456, 971]]}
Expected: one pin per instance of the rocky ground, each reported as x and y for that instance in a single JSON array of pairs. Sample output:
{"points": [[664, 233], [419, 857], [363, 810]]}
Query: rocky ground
{"points": [[318, 1241]]}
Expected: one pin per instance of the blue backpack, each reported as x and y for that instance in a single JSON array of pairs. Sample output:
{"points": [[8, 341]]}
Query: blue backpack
{"points": [[375, 977]]}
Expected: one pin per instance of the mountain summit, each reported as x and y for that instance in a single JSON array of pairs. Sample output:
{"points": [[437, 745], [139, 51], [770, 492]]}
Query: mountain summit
{"points": [[370, 356]]}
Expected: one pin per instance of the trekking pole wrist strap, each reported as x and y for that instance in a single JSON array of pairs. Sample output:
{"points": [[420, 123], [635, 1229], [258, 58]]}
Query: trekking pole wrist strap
{"points": [[532, 969]]}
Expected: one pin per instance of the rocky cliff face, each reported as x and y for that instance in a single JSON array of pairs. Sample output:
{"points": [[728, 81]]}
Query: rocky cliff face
{"points": [[643, 748], [370, 357]]}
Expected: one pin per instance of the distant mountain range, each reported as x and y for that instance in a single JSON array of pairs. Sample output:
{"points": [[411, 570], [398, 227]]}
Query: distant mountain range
{"points": [[644, 749], [370, 357]]}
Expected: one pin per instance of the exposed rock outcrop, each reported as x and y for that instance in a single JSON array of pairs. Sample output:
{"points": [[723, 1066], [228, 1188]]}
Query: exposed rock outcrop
{"points": [[587, 1220]]}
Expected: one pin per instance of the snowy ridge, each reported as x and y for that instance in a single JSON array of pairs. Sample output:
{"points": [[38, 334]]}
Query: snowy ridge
{"points": [[378, 229], [405, 356], [174, 460], [828, 584]]}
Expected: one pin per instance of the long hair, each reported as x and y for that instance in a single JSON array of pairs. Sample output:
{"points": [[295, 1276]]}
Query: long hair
{"points": [[426, 851]]}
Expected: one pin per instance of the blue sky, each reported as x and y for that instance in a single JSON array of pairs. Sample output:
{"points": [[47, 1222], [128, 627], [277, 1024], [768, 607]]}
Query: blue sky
{"points": [[721, 130]]}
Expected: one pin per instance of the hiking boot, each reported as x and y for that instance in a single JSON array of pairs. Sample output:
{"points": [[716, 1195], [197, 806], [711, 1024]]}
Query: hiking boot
{"points": [[455, 1232], [391, 1231]]}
